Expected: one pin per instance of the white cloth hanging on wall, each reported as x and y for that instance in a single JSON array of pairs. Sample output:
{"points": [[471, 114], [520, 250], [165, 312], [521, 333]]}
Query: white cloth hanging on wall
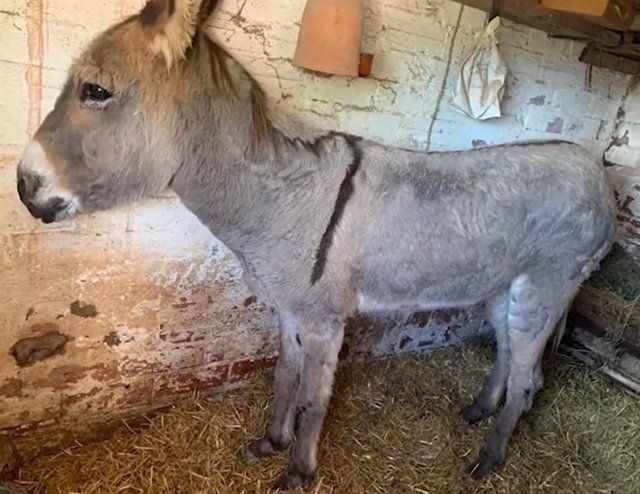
{"points": [[479, 85]]}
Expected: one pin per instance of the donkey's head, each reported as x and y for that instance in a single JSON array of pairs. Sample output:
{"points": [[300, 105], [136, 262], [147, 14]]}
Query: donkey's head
{"points": [[113, 136]]}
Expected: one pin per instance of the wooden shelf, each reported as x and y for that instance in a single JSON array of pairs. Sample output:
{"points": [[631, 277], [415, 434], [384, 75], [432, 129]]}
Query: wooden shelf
{"points": [[614, 49], [612, 14]]}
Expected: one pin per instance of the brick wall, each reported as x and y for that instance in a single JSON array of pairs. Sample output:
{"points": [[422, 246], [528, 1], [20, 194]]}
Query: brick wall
{"points": [[623, 158], [171, 313]]}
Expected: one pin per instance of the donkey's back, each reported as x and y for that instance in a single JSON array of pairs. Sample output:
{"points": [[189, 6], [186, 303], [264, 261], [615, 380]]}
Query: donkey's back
{"points": [[455, 228]]}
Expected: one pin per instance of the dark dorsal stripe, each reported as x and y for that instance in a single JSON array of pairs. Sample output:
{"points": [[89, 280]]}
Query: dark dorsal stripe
{"points": [[344, 194], [553, 142], [550, 142]]}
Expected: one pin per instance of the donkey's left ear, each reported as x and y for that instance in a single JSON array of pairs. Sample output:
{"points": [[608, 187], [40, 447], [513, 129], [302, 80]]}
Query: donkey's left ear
{"points": [[172, 24]]}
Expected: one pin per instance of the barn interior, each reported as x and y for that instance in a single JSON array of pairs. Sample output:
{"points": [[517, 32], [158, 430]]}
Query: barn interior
{"points": [[135, 359]]}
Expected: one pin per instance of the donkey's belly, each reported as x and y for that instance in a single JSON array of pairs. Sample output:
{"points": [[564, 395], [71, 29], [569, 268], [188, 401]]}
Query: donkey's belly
{"points": [[389, 287], [369, 304]]}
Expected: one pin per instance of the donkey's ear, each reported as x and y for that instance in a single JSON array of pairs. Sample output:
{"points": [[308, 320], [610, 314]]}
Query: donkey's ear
{"points": [[172, 24]]}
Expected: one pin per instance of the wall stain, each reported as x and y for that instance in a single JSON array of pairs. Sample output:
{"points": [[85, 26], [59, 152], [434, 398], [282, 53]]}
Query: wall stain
{"points": [[538, 100], [28, 351], [11, 388], [35, 42], [112, 339], [405, 341], [83, 309], [555, 126], [30, 313], [65, 376]]}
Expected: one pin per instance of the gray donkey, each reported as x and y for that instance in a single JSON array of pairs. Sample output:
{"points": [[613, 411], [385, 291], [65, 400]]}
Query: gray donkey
{"points": [[325, 224]]}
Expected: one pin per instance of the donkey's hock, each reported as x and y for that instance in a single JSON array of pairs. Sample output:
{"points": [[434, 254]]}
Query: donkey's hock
{"points": [[325, 225]]}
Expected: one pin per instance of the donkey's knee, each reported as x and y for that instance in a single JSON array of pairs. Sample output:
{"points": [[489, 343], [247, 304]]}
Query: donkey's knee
{"points": [[279, 432], [321, 345]]}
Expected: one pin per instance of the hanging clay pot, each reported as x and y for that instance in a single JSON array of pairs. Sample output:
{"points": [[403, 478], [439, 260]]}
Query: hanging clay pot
{"points": [[330, 37]]}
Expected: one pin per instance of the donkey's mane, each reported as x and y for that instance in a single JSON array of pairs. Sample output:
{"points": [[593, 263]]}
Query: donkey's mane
{"points": [[223, 80]]}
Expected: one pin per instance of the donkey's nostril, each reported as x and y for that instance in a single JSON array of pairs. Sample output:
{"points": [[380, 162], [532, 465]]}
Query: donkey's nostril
{"points": [[51, 210], [22, 188]]}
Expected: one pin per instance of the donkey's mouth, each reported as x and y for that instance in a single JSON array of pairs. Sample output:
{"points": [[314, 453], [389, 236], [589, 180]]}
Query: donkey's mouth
{"points": [[56, 209]]}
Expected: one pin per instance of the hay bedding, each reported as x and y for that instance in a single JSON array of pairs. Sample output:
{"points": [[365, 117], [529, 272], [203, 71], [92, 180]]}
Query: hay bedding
{"points": [[393, 428], [611, 298]]}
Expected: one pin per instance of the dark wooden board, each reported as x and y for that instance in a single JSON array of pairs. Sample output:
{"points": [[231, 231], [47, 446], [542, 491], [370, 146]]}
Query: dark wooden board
{"points": [[531, 13], [617, 361]]}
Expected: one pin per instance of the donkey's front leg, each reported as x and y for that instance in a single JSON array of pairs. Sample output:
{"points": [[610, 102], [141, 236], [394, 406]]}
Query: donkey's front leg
{"points": [[321, 342], [287, 377]]}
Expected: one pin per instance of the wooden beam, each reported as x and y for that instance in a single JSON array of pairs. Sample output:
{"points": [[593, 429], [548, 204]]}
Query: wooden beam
{"points": [[614, 14], [619, 362], [599, 57], [531, 13]]}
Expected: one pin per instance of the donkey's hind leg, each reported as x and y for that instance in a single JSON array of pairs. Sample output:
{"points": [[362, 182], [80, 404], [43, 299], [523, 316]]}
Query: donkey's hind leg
{"points": [[532, 316], [488, 401], [287, 377]]}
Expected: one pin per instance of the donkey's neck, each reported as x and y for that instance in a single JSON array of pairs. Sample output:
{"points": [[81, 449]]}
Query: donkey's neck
{"points": [[215, 180], [241, 175], [249, 198]]}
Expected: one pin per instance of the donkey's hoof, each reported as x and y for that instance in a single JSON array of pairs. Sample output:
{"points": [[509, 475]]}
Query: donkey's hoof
{"points": [[474, 413], [294, 477], [261, 448], [487, 461]]}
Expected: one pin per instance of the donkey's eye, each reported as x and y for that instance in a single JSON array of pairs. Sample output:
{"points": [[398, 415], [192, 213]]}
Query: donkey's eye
{"points": [[94, 93]]}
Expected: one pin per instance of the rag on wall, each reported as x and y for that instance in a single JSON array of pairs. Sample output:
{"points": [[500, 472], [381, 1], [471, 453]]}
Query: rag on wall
{"points": [[479, 85]]}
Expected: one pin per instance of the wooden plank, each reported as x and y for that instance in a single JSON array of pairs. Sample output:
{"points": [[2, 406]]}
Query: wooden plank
{"points": [[618, 362], [531, 13], [607, 309], [614, 14], [587, 7], [599, 57]]}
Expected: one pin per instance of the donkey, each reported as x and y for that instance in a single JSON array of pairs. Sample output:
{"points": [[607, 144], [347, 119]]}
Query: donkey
{"points": [[324, 224]]}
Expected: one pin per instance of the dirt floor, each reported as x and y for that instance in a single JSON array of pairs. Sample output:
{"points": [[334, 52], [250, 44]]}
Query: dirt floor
{"points": [[393, 428]]}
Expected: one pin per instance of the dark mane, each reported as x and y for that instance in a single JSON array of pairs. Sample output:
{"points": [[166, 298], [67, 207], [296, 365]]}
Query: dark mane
{"points": [[262, 126]]}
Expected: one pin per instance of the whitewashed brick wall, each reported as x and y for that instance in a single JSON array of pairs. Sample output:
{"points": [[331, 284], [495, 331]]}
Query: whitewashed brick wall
{"points": [[623, 157], [550, 94]]}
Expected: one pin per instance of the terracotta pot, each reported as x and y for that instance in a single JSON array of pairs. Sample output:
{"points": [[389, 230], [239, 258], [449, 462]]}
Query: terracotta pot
{"points": [[330, 37]]}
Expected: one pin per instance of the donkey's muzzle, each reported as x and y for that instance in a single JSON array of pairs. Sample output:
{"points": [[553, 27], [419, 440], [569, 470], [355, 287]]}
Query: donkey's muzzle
{"points": [[47, 212]]}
